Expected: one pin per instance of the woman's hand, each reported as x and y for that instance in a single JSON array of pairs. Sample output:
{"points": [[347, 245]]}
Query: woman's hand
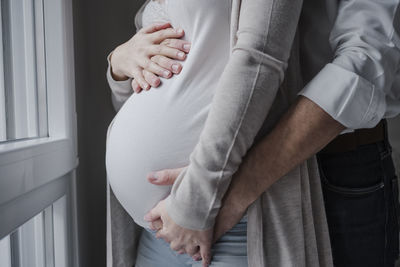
{"points": [[196, 243], [232, 209], [149, 54], [231, 212]]}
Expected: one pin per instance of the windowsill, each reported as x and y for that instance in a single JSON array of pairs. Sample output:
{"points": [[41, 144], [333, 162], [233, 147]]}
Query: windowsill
{"points": [[29, 164], [20, 150]]}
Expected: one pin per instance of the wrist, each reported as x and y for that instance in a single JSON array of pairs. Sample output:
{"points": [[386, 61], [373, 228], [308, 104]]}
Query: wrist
{"points": [[234, 206], [185, 216], [116, 73], [237, 200]]}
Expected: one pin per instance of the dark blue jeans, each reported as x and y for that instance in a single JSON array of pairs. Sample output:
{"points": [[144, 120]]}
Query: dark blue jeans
{"points": [[362, 205]]}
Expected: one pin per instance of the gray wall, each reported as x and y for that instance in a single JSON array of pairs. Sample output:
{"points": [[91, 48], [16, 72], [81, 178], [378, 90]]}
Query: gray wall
{"points": [[99, 26]]}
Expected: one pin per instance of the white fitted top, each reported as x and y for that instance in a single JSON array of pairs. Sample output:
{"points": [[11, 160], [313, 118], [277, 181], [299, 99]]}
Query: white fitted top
{"points": [[158, 129]]}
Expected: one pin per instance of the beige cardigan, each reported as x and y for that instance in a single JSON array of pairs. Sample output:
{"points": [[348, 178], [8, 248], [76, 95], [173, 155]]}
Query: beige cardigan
{"points": [[287, 224]]}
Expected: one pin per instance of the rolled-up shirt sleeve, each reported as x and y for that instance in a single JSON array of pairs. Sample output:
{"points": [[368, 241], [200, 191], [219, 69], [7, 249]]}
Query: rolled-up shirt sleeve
{"points": [[243, 98], [355, 86]]}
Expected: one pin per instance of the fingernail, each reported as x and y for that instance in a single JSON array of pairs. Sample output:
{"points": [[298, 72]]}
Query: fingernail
{"points": [[175, 67], [181, 54], [180, 31], [156, 82], [153, 176], [167, 74], [186, 47]]}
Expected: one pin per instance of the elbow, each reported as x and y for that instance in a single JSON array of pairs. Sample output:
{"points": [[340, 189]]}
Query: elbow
{"points": [[251, 57], [255, 49]]}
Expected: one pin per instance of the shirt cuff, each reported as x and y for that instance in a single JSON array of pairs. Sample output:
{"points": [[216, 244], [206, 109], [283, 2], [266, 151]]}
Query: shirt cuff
{"points": [[347, 97]]}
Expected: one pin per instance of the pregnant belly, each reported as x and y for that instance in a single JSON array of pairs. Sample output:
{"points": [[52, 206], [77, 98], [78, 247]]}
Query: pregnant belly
{"points": [[150, 133]]}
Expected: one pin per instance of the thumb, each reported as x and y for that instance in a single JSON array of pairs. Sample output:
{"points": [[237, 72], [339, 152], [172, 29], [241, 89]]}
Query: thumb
{"points": [[156, 27], [164, 177]]}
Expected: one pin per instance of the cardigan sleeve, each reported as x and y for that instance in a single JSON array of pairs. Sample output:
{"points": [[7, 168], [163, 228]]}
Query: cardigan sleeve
{"points": [[120, 90], [243, 98]]}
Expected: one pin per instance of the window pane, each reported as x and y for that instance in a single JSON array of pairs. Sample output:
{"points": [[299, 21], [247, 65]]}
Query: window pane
{"points": [[40, 242], [24, 103], [60, 232], [28, 245], [5, 252], [3, 133], [32, 242]]}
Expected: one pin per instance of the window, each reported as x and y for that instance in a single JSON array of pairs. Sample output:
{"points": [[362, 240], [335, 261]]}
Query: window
{"points": [[5, 252], [39, 242], [26, 244], [23, 86], [38, 154]]}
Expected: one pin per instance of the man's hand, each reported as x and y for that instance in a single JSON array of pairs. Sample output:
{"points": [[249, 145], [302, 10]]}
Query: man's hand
{"points": [[181, 239]]}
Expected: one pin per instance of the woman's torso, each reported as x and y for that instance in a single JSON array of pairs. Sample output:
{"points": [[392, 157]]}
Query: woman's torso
{"points": [[158, 129]]}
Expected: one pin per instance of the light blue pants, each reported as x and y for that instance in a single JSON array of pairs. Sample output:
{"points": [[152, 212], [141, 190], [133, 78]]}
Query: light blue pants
{"points": [[229, 251]]}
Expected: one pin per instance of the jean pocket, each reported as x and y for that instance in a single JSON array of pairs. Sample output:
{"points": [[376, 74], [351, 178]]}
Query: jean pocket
{"points": [[352, 180], [354, 208], [356, 219], [354, 191]]}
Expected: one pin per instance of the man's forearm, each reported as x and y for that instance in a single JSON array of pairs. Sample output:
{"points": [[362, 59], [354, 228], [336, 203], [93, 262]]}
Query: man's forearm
{"points": [[303, 131]]}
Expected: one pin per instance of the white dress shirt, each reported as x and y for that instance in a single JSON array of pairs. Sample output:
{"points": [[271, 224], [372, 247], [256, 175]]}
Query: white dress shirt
{"points": [[350, 59]]}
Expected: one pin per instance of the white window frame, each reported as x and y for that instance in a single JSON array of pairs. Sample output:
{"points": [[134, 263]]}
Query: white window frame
{"points": [[34, 173], [3, 132], [5, 252], [28, 243]]}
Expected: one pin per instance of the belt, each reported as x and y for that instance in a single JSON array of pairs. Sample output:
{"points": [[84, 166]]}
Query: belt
{"points": [[350, 141]]}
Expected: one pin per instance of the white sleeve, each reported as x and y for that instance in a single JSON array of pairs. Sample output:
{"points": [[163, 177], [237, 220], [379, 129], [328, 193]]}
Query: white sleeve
{"points": [[354, 87]]}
